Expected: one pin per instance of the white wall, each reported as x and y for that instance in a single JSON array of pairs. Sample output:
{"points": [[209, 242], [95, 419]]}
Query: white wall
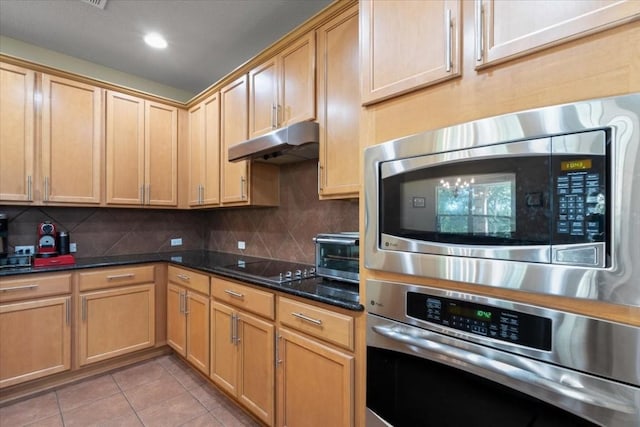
{"points": [[33, 53]]}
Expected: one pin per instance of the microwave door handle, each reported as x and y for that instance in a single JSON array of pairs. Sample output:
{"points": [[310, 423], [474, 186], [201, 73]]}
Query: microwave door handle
{"points": [[345, 242], [503, 369]]}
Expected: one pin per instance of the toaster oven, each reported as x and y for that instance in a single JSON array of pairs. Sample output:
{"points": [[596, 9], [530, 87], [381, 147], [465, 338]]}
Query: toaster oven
{"points": [[338, 256]]}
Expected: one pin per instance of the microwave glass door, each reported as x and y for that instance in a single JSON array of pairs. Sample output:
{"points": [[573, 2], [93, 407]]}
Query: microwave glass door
{"points": [[531, 200]]}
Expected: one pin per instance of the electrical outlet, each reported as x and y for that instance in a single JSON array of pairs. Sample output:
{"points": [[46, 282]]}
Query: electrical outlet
{"points": [[26, 250], [176, 242], [241, 244], [73, 247]]}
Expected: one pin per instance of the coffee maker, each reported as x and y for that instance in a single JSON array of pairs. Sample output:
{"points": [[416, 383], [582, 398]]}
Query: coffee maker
{"points": [[52, 247], [47, 246]]}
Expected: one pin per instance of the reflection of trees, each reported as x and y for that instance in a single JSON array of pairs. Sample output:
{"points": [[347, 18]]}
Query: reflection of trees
{"points": [[484, 207]]}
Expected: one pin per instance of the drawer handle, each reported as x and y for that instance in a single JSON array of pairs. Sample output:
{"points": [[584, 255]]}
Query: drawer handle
{"points": [[19, 288], [233, 293], [183, 277], [121, 276], [307, 318]]}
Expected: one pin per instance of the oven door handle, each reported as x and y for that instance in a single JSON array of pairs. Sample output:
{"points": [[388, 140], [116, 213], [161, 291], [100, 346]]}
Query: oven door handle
{"points": [[337, 241], [500, 368]]}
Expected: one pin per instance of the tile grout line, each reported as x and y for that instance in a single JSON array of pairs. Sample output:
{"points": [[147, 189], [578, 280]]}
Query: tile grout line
{"points": [[124, 395]]}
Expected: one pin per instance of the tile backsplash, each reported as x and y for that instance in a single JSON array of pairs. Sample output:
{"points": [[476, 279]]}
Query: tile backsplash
{"points": [[284, 232]]}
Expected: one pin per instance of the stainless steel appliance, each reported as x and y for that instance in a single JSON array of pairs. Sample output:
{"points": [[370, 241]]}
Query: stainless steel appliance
{"points": [[4, 235], [544, 200], [338, 256], [447, 358]]}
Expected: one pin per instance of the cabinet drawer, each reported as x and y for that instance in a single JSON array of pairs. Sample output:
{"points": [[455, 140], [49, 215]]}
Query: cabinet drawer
{"points": [[114, 277], [244, 297], [330, 326], [34, 286], [189, 279]]}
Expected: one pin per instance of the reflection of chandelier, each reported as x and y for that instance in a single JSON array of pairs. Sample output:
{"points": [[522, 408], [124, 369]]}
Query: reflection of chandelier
{"points": [[458, 185]]}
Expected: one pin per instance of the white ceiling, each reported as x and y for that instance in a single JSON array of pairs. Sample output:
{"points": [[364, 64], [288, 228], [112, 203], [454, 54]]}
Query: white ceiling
{"points": [[207, 38]]}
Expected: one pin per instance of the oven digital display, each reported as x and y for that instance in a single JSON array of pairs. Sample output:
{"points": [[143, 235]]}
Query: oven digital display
{"points": [[492, 322]]}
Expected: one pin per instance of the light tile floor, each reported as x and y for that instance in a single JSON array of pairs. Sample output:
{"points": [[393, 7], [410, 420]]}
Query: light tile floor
{"points": [[159, 392]]}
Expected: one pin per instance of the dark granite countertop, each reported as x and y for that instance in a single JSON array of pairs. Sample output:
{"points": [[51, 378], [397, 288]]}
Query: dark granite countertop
{"points": [[339, 294]]}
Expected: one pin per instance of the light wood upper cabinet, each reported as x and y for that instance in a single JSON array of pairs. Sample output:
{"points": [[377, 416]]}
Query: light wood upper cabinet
{"points": [[508, 29], [17, 134], [233, 128], [204, 152], [142, 151], [339, 106], [407, 45], [242, 183], [72, 120], [282, 89]]}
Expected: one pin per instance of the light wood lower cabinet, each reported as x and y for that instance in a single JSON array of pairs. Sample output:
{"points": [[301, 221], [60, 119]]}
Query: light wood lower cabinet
{"points": [[35, 339], [115, 312], [188, 316], [242, 345], [315, 382], [35, 326], [115, 322]]}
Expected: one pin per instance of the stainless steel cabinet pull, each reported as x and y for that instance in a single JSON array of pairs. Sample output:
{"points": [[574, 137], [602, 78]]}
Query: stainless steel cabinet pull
{"points": [[186, 303], [46, 188], [84, 308], [183, 277], [278, 360], [181, 302], [307, 318], [273, 116], [242, 182], [200, 194], [67, 307], [278, 121], [479, 31], [121, 276], [319, 178], [448, 41], [29, 188], [142, 194], [149, 194], [18, 288], [232, 328], [233, 293]]}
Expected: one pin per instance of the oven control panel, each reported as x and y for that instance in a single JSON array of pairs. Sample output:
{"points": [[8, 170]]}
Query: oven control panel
{"points": [[497, 323]]}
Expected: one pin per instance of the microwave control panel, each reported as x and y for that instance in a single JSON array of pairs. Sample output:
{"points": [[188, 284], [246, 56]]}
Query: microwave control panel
{"points": [[492, 322]]}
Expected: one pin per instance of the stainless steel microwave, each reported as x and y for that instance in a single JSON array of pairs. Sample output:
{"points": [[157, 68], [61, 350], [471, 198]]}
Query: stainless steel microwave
{"points": [[540, 200]]}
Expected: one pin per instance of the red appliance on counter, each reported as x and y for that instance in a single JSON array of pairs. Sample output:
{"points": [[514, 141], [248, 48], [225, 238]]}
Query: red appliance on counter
{"points": [[48, 251]]}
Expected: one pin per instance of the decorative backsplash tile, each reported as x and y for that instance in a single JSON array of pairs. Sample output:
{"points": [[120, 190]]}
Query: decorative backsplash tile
{"points": [[285, 232]]}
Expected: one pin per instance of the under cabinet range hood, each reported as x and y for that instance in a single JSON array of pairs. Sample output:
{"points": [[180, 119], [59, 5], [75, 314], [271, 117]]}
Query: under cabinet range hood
{"points": [[293, 143]]}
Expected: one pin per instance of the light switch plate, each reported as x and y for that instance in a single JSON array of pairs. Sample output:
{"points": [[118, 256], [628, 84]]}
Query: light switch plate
{"points": [[176, 242], [241, 244]]}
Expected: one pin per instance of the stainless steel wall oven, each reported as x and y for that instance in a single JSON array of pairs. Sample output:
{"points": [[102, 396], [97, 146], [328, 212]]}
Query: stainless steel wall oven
{"points": [[450, 359], [544, 200]]}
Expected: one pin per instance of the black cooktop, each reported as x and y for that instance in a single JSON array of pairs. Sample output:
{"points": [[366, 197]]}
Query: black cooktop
{"points": [[271, 271]]}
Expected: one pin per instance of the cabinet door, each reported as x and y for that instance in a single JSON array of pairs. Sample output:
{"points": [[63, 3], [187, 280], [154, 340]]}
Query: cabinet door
{"points": [[35, 339], [263, 98], [72, 135], [116, 322], [161, 154], [506, 29], [407, 45], [339, 106], [233, 123], [197, 313], [224, 352], [204, 152], [17, 135], [125, 149], [176, 319], [297, 82], [313, 377], [256, 382]]}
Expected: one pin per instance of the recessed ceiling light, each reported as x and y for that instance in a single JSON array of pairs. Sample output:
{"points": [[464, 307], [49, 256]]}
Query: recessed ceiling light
{"points": [[155, 40]]}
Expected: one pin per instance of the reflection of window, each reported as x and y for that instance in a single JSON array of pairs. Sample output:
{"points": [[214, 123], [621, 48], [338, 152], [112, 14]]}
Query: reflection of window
{"points": [[483, 205]]}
